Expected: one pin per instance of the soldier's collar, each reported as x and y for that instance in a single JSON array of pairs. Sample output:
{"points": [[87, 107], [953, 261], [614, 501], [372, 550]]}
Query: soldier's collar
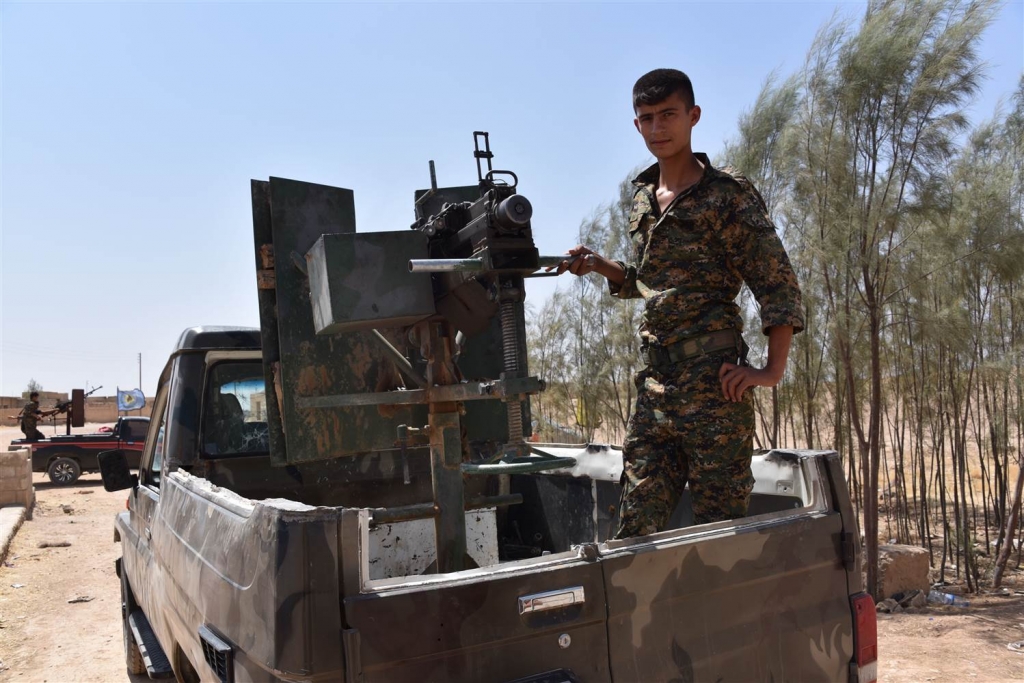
{"points": [[649, 177]]}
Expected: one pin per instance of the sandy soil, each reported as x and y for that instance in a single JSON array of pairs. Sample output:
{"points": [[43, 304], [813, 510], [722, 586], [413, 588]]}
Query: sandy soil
{"points": [[947, 644], [45, 638]]}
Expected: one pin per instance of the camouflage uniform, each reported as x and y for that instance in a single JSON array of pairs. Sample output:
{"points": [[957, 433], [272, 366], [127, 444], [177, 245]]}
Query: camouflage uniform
{"points": [[29, 419], [690, 265]]}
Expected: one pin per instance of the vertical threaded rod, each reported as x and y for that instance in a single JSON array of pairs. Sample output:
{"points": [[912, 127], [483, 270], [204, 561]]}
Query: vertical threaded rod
{"points": [[510, 350]]}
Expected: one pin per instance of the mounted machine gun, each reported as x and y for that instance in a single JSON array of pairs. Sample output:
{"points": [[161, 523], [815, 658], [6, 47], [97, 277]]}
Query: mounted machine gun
{"points": [[441, 304], [73, 408]]}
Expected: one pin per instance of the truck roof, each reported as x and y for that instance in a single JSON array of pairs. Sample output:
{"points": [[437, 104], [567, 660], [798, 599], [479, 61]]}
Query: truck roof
{"points": [[219, 337]]}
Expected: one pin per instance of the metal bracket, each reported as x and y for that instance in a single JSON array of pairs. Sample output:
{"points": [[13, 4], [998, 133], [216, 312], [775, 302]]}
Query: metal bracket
{"points": [[504, 389]]}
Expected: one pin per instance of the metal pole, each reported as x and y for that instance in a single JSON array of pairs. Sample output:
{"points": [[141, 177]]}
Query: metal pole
{"points": [[445, 460], [446, 471], [140, 377], [401, 361], [446, 265]]}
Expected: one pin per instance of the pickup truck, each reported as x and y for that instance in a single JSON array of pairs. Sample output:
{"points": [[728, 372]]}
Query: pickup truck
{"points": [[65, 457], [346, 493], [234, 570]]}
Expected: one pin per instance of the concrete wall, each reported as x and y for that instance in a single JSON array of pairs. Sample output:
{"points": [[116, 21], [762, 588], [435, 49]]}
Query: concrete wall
{"points": [[16, 479], [101, 409], [104, 409]]}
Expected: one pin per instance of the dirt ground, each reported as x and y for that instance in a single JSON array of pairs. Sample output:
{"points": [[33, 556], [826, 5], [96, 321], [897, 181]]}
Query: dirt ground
{"points": [[45, 638], [953, 643]]}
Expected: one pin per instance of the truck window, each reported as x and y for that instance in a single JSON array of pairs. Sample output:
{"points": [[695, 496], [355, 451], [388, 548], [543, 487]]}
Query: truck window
{"points": [[234, 410], [135, 430], [151, 463]]}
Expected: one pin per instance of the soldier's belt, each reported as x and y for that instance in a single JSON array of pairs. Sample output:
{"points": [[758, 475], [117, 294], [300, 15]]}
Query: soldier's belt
{"points": [[693, 347]]}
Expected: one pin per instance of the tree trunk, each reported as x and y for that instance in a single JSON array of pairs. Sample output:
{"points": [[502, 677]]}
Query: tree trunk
{"points": [[1011, 524]]}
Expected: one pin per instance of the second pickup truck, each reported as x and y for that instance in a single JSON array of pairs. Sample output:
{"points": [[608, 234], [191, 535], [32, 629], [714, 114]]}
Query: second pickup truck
{"points": [[65, 457]]}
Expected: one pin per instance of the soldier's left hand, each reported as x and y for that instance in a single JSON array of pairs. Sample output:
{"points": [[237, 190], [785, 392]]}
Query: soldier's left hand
{"points": [[738, 378]]}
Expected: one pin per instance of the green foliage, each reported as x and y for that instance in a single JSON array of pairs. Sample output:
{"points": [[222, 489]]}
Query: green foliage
{"points": [[584, 342], [906, 228]]}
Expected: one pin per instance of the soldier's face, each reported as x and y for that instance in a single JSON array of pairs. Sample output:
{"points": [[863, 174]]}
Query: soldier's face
{"points": [[666, 126]]}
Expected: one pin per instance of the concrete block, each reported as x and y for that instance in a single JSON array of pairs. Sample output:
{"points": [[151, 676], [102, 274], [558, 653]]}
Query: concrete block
{"points": [[902, 568], [11, 519], [16, 480], [24, 498], [13, 457]]}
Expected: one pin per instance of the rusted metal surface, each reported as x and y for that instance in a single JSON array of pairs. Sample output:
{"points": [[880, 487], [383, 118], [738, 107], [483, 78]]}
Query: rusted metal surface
{"points": [[312, 365], [265, 279], [266, 256], [267, 298]]}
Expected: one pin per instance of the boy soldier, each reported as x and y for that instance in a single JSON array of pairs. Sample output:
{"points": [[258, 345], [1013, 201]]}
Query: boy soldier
{"points": [[29, 417], [699, 233]]}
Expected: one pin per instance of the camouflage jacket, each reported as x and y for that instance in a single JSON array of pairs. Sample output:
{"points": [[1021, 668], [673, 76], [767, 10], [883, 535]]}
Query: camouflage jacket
{"points": [[691, 262], [30, 414]]}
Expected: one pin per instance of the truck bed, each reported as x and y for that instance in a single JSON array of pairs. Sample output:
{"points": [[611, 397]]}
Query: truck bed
{"points": [[761, 598]]}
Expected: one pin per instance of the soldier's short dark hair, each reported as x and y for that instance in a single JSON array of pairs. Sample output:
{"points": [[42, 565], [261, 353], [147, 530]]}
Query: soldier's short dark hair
{"points": [[34, 394], [658, 85]]}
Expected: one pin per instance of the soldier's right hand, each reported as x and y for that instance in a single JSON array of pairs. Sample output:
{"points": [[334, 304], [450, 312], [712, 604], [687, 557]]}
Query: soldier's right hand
{"points": [[580, 260]]}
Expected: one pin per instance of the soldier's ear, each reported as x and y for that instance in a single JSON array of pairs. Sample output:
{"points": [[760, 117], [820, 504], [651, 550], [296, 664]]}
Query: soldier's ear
{"points": [[694, 114], [636, 122]]}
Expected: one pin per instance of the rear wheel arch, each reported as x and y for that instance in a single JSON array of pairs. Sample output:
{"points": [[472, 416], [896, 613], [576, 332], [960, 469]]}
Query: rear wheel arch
{"points": [[183, 666], [54, 453]]}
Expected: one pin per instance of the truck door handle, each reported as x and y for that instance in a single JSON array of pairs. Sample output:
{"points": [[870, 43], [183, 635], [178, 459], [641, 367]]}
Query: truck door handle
{"points": [[539, 602]]}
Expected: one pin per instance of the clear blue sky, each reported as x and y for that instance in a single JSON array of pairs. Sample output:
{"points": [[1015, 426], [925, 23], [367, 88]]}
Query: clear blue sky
{"points": [[130, 132]]}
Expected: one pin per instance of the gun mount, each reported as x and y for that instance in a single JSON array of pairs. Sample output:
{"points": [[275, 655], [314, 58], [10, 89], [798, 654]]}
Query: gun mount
{"points": [[73, 408], [392, 346]]}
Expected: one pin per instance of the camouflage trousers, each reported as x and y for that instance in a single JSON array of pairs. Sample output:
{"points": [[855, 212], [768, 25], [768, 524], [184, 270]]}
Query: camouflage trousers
{"points": [[31, 432], [683, 431]]}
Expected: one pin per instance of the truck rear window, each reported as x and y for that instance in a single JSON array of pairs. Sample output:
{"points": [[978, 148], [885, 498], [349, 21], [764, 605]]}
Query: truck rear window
{"points": [[234, 410]]}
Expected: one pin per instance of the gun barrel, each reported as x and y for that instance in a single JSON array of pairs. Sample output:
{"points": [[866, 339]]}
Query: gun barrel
{"points": [[446, 265]]}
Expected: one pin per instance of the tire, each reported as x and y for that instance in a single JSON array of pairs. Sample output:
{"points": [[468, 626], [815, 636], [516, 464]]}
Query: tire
{"points": [[64, 470], [132, 655]]}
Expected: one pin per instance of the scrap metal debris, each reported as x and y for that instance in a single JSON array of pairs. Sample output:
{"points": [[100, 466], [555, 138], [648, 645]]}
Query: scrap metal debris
{"points": [[888, 606]]}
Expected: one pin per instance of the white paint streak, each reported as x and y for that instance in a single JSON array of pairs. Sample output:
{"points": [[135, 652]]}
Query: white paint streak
{"points": [[829, 654]]}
